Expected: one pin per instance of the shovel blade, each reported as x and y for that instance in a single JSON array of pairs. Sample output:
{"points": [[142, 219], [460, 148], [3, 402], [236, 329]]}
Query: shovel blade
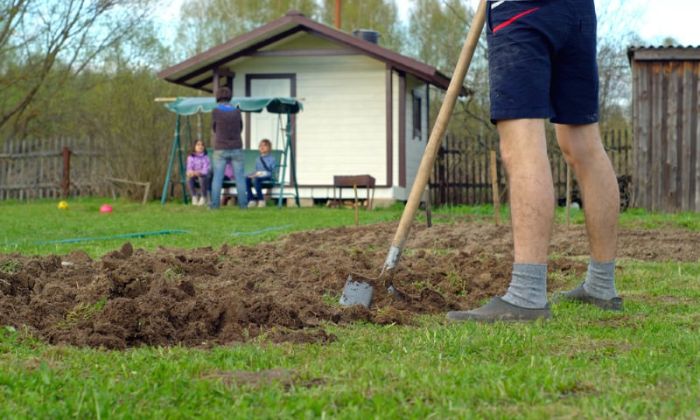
{"points": [[356, 292]]}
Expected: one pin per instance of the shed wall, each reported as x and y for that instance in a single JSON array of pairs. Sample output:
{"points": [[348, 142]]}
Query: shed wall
{"points": [[342, 129], [415, 145], [667, 135]]}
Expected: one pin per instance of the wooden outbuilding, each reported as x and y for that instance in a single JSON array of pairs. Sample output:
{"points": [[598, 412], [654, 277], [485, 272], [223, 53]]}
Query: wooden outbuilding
{"points": [[666, 105], [365, 107]]}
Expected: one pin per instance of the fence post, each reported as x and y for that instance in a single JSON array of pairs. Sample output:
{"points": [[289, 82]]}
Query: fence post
{"points": [[494, 188], [568, 194], [441, 178], [428, 210], [65, 183]]}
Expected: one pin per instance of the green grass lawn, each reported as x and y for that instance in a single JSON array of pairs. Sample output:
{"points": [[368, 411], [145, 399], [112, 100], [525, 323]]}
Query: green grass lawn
{"points": [[585, 363], [41, 228]]}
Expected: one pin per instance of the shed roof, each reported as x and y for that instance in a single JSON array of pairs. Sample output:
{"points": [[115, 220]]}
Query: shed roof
{"points": [[191, 71], [663, 53]]}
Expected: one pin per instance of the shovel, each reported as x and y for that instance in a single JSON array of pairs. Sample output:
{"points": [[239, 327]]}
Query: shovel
{"points": [[359, 290]]}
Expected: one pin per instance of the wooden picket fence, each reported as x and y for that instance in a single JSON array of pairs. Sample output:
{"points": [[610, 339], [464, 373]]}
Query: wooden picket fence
{"points": [[462, 171], [31, 169]]}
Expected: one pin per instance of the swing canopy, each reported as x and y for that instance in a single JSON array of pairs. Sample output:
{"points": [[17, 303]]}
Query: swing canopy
{"points": [[186, 106], [276, 105]]}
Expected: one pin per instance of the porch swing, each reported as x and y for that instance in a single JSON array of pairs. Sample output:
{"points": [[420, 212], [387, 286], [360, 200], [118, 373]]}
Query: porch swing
{"points": [[187, 106]]}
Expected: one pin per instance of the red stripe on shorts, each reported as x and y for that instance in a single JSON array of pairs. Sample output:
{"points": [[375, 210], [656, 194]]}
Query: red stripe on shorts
{"points": [[514, 18]]}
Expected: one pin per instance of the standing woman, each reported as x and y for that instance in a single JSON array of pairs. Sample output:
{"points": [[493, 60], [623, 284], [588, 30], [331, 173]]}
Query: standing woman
{"points": [[227, 125]]}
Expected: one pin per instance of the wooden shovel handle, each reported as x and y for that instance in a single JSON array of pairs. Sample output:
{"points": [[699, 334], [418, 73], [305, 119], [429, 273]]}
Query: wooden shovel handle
{"points": [[443, 118]]}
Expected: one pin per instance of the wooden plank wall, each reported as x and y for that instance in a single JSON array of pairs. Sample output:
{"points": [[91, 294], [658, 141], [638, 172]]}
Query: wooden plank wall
{"points": [[667, 135], [31, 169]]}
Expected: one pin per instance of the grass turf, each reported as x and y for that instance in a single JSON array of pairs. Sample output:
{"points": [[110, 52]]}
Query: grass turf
{"points": [[644, 362]]}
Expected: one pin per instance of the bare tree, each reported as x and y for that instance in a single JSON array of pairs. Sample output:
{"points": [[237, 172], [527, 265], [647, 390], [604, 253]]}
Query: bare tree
{"points": [[36, 35], [377, 15], [12, 14], [207, 23], [613, 67], [438, 30]]}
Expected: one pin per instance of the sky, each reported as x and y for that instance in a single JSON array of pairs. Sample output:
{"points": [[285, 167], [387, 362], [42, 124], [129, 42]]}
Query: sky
{"points": [[674, 18], [653, 20]]}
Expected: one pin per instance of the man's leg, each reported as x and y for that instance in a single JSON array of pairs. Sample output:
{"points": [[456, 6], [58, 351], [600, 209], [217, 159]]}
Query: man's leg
{"points": [[238, 162], [583, 150], [524, 152]]}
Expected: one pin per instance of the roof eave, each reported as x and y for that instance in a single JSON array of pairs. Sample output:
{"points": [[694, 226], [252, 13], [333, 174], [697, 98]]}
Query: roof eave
{"points": [[286, 23]]}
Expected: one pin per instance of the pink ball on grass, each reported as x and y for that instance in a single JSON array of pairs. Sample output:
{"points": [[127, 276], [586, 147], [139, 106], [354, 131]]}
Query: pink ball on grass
{"points": [[105, 208]]}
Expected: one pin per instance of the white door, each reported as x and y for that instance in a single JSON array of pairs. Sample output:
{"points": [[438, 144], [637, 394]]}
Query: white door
{"points": [[266, 125]]}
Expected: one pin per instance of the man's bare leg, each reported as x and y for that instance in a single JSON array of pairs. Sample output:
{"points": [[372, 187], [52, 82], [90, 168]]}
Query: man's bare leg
{"points": [[583, 150], [524, 153]]}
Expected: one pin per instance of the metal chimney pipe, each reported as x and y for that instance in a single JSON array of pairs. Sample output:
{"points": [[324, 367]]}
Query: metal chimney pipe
{"points": [[338, 6]]}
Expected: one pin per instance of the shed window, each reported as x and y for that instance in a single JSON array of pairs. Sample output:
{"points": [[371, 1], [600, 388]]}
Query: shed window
{"points": [[417, 117]]}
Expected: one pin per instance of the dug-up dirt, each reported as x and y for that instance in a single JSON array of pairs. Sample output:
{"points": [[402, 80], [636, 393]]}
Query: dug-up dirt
{"points": [[279, 291]]}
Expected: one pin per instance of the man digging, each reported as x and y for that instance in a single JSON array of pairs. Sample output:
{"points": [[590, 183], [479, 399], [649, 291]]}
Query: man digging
{"points": [[542, 64]]}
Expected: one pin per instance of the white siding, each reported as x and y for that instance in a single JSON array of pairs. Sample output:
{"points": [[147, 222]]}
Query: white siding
{"points": [[304, 41], [342, 128]]}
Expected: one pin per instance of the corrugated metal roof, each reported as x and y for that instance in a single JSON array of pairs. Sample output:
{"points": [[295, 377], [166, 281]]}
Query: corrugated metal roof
{"points": [[662, 47], [663, 53]]}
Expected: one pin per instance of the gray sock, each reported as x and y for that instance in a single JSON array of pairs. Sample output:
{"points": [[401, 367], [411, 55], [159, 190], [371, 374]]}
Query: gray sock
{"points": [[600, 280], [528, 286]]}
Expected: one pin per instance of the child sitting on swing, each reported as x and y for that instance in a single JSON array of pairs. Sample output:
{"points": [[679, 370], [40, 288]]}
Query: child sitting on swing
{"points": [[198, 165], [264, 169]]}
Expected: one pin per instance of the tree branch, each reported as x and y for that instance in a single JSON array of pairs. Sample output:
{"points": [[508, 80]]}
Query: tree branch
{"points": [[58, 30]]}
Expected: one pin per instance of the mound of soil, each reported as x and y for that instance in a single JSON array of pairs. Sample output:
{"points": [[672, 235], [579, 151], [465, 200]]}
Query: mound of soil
{"points": [[283, 291]]}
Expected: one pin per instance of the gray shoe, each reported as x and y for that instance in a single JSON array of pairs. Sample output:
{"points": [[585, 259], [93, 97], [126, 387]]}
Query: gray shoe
{"points": [[579, 294], [500, 310]]}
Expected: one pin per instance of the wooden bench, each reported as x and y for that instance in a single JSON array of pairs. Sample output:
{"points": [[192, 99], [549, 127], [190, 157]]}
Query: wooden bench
{"points": [[250, 157]]}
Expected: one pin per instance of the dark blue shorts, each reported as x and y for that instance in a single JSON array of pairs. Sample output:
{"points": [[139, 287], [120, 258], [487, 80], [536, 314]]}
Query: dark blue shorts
{"points": [[542, 60]]}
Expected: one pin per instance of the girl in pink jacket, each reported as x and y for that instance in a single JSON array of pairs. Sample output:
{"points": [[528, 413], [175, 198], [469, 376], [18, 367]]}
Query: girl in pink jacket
{"points": [[198, 167]]}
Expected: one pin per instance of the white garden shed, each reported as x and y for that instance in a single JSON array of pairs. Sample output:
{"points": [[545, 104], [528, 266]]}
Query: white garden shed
{"points": [[365, 107]]}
